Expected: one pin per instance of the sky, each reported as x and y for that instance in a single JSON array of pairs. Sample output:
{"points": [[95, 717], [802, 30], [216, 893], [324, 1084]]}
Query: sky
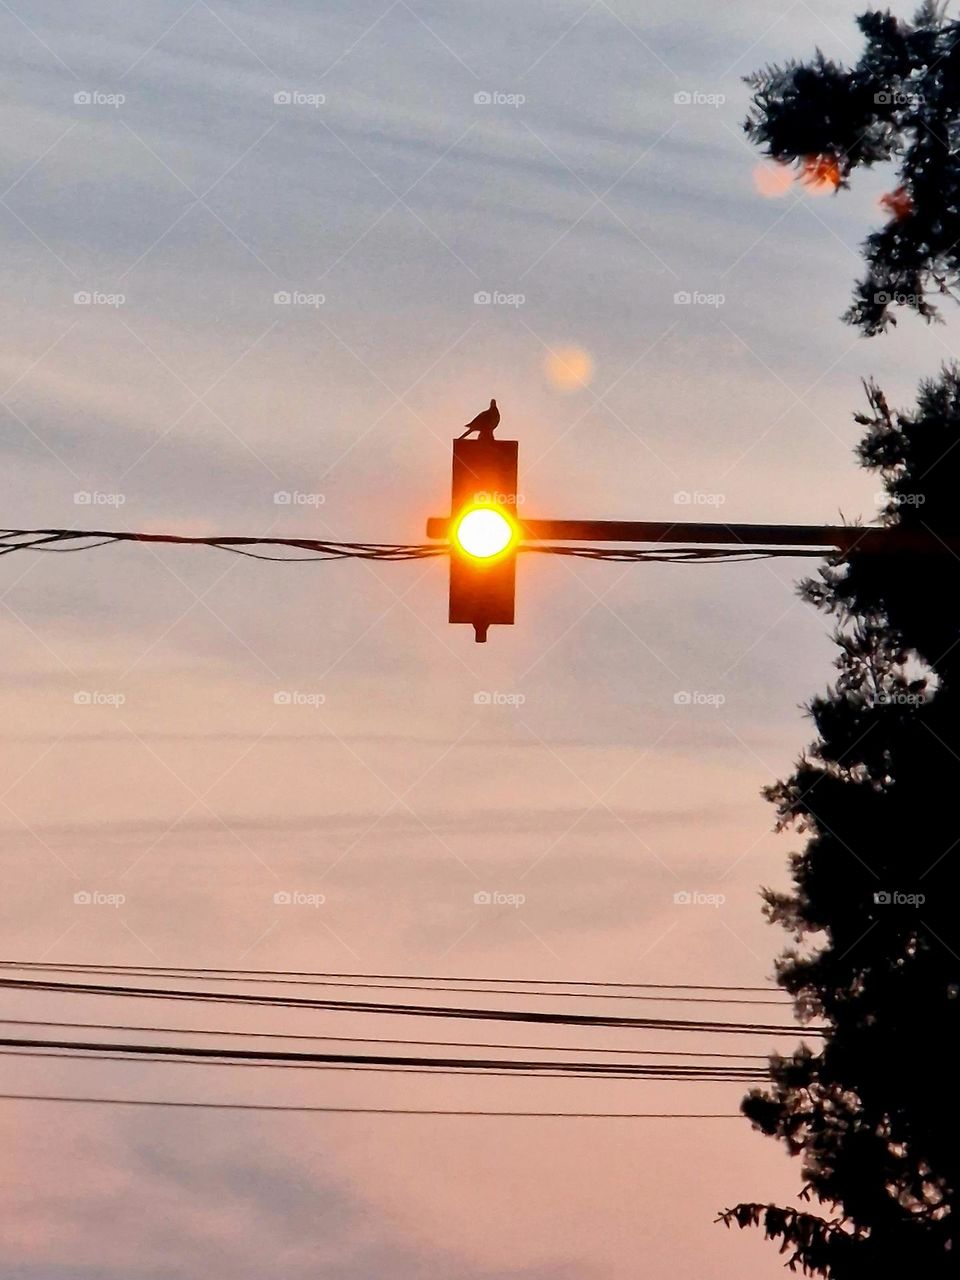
{"points": [[242, 249]]}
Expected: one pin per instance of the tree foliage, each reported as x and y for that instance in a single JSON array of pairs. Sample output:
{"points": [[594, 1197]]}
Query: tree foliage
{"points": [[871, 1112], [900, 103]]}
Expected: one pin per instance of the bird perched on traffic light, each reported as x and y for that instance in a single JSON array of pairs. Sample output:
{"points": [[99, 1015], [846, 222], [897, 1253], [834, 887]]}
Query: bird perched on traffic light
{"points": [[484, 424]]}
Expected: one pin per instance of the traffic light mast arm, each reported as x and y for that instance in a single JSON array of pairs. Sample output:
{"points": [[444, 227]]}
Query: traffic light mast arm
{"points": [[822, 538]]}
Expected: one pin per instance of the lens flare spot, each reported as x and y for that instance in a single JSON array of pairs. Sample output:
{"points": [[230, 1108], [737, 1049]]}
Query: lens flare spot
{"points": [[484, 532], [772, 180], [569, 368]]}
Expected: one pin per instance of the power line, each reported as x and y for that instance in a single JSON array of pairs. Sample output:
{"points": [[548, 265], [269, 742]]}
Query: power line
{"points": [[52, 540], [742, 1075], [421, 1011], [346, 1060], [386, 984], [391, 977], [375, 1111], [431, 1044]]}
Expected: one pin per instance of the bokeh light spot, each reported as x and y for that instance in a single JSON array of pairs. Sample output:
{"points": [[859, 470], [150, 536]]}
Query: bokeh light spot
{"points": [[569, 368], [772, 180]]}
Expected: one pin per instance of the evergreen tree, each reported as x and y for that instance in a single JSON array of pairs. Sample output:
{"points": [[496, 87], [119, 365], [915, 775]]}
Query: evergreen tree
{"points": [[870, 1109], [900, 103]]}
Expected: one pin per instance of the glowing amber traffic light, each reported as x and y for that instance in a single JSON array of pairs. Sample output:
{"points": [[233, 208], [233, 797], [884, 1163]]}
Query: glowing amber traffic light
{"points": [[484, 532]]}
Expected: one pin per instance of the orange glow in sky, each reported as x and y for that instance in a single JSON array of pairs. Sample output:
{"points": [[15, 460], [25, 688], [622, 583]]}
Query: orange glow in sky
{"points": [[569, 368], [772, 179], [818, 176]]}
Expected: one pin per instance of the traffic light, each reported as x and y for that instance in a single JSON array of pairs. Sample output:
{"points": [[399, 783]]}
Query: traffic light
{"points": [[483, 533]]}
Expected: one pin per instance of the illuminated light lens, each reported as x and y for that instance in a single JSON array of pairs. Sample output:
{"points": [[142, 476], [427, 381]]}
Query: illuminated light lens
{"points": [[484, 532]]}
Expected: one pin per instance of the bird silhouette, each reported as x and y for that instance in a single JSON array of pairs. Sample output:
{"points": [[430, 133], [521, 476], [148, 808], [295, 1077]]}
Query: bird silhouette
{"points": [[484, 424]]}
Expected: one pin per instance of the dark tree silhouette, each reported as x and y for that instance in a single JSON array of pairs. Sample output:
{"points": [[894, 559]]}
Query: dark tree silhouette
{"points": [[900, 103], [874, 1112]]}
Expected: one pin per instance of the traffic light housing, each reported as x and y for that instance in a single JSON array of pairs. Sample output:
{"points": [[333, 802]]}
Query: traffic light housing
{"points": [[483, 533]]}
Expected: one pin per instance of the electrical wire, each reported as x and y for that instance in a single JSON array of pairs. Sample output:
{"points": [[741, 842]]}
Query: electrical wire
{"points": [[385, 984], [374, 1111], [387, 977], [12, 540], [78, 1051], [426, 1044], [420, 1011]]}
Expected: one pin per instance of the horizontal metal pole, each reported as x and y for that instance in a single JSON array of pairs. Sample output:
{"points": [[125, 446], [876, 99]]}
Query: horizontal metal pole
{"points": [[693, 533]]}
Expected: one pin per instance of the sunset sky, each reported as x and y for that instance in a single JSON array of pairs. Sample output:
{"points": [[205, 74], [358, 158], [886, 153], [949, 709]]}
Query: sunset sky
{"points": [[145, 753]]}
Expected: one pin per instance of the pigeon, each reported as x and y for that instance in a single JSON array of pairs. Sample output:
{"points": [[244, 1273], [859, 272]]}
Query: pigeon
{"points": [[484, 424]]}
